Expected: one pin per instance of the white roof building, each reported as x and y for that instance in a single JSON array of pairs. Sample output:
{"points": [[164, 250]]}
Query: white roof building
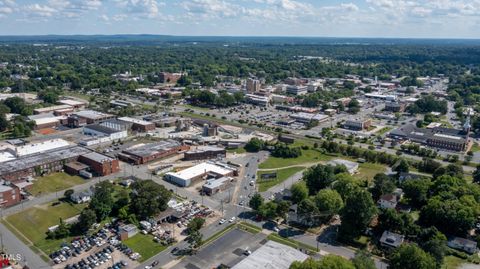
{"points": [[33, 148], [185, 177], [272, 255]]}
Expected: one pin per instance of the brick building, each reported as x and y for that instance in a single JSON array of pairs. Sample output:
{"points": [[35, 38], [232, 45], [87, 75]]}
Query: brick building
{"points": [[149, 152], [100, 164]]}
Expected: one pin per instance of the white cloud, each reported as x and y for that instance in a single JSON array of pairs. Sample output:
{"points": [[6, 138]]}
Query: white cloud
{"points": [[148, 8]]}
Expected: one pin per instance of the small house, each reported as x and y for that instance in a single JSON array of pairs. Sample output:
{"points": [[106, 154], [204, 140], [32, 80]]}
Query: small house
{"points": [[463, 244], [388, 201], [391, 240]]}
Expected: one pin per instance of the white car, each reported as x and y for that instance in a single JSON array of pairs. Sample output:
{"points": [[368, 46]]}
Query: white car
{"points": [[148, 267], [232, 219], [222, 221], [276, 229]]}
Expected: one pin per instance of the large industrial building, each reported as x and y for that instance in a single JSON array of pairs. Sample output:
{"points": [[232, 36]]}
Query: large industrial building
{"points": [[100, 164], [205, 152], [144, 153], [138, 125], [84, 117], [203, 171], [437, 137]]}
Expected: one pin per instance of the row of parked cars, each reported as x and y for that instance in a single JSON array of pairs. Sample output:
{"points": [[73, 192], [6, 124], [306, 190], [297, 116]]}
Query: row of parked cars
{"points": [[79, 245], [128, 251], [97, 259]]}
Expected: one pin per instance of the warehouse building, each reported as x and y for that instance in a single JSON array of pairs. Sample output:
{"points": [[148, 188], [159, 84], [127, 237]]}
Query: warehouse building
{"points": [[138, 125], [216, 185], [84, 117], [40, 162], [73, 103], [9, 195], [103, 131], [203, 171], [51, 109], [205, 152], [358, 125], [100, 164], [437, 137], [309, 117], [144, 153]]}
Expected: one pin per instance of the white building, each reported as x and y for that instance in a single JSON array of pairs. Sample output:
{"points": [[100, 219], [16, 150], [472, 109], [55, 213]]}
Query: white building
{"points": [[309, 117], [185, 177], [101, 134], [39, 147], [352, 167]]}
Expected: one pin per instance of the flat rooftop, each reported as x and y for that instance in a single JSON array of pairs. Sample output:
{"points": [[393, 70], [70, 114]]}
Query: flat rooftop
{"points": [[271, 255], [38, 159], [51, 108], [71, 102], [97, 157], [145, 150], [92, 114], [136, 121], [199, 170]]}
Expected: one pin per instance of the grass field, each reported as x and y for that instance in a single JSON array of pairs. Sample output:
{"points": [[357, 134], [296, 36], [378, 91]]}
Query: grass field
{"points": [[308, 156], [34, 222], [55, 182], [384, 130], [282, 175], [249, 227], [369, 170], [475, 147], [238, 151], [452, 262], [144, 245]]}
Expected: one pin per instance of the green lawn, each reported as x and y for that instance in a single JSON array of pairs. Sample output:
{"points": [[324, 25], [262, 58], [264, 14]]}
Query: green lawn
{"points": [[55, 182], [34, 222], [452, 262], [282, 175], [475, 147], [308, 156], [144, 245], [249, 227], [384, 130], [238, 151], [369, 170]]}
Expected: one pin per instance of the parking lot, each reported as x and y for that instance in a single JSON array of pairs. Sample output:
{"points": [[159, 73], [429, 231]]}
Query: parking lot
{"points": [[101, 250], [229, 249]]}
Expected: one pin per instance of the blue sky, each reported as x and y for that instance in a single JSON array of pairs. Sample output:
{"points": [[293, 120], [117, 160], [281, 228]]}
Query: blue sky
{"points": [[349, 18]]}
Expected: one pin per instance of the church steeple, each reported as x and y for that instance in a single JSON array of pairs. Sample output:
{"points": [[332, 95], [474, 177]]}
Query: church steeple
{"points": [[467, 125]]}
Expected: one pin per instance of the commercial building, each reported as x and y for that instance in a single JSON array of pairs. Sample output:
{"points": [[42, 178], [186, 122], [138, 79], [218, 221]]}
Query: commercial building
{"points": [[205, 152], [257, 99], [100, 164], [379, 96], [437, 137], [73, 103], [272, 255], [199, 172], [253, 85], [50, 109], [144, 153], [48, 122], [216, 185], [357, 125], [84, 117], [138, 125], [296, 90], [309, 117], [395, 107], [102, 134]]}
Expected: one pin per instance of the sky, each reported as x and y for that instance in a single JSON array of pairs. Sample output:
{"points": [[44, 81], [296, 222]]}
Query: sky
{"points": [[322, 18]]}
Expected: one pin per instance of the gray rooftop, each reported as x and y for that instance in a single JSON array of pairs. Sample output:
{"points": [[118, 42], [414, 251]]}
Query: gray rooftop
{"points": [[34, 160], [97, 157], [101, 128], [152, 148], [392, 239], [272, 255]]}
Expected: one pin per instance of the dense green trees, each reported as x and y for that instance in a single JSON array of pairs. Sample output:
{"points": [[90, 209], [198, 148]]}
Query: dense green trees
{"points": [[102, 200], [409, 256], [281, 150], [254, 145], [299, 192], [148, 198], [327, 262], [356, 215], [321, 176], [383, 184], [428, 104]]}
